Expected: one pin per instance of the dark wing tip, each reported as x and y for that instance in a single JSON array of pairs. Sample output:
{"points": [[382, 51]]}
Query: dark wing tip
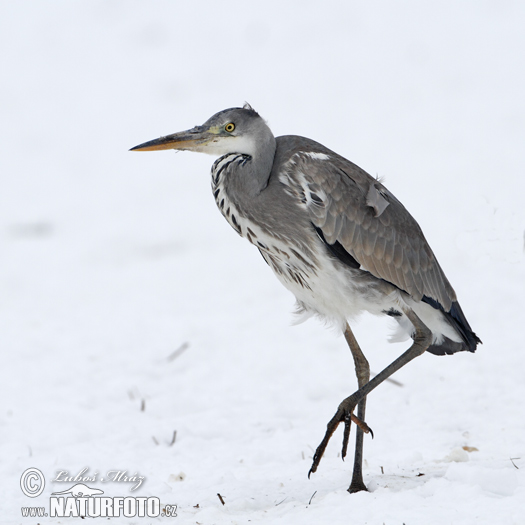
{"points": [[457, 319]]}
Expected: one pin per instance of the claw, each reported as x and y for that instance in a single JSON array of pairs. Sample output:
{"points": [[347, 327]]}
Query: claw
{"points": [[344, 415], [330, 429], [362, 425]]}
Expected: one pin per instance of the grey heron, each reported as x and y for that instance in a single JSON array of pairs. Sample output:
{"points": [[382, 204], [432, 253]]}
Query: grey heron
{"points": [[337, 238]]}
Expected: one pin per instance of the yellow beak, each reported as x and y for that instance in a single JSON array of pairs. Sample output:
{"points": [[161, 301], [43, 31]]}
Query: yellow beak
{"points": [[192, 140]]}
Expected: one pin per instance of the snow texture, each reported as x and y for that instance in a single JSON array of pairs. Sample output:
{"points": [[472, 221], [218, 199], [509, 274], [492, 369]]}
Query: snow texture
{"points": [[129, 309]]}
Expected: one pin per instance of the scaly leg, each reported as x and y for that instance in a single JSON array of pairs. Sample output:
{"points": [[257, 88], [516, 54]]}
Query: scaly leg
{"points": [[362, 371], [344, 414]]}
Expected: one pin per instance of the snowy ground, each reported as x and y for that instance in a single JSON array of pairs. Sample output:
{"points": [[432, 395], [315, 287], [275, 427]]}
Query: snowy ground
{"points": [[110, 261]]}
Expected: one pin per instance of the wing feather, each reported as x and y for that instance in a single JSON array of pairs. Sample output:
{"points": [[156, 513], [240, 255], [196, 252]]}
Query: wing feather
{"points": [[361, 214]]}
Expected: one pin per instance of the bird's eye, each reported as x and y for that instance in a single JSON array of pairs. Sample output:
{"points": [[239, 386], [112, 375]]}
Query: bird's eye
{"points": [[229, 127]]}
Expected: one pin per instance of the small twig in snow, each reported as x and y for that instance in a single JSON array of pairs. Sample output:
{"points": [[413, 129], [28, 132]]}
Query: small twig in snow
{"points": [[182, 348], [516, 466], [391, 380], [312, 497], [221, 499], [173, 438], [143, 405]]}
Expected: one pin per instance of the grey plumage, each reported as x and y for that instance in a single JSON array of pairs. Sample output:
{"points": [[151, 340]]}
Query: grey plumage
{"points": [[367, 220], [335, 236]]}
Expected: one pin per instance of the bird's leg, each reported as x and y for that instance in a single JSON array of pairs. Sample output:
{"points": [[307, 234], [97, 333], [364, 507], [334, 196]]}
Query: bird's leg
{"points": [[422, 340], [362, 371]]}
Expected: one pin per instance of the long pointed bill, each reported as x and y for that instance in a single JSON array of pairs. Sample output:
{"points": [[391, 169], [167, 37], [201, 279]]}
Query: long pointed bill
{"points": [[192, 140]]}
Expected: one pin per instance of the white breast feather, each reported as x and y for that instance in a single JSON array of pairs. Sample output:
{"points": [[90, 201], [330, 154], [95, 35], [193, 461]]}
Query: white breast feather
{"points": [[322, 285]]}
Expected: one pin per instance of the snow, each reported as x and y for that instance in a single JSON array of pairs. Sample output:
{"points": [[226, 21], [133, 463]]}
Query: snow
{"points": [[110, 261]]}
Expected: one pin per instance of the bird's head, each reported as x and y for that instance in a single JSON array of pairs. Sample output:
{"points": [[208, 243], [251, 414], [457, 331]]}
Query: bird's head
{"points": [[234, 130]]}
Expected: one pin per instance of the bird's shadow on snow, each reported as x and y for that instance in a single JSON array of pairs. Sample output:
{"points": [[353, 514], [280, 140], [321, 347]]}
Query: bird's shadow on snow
{"points": [[407, 480]]}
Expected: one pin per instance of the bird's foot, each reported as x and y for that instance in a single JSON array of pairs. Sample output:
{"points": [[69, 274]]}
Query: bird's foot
{"points": [[344, 414], [357, 487]]}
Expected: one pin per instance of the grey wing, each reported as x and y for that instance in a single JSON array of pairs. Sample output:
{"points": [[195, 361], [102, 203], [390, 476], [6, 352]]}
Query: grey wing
{"points": [[355, 210]]}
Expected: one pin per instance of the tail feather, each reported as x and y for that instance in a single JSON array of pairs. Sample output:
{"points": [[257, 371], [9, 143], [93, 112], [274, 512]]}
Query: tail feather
{"points": [[459, 322]]}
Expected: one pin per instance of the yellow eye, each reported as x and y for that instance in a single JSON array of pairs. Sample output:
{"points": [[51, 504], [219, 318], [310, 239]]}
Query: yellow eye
{"points": [[229, 127]]}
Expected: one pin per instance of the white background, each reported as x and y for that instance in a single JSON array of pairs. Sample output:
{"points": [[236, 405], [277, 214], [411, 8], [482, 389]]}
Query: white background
{"points": [[110, 260]]}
